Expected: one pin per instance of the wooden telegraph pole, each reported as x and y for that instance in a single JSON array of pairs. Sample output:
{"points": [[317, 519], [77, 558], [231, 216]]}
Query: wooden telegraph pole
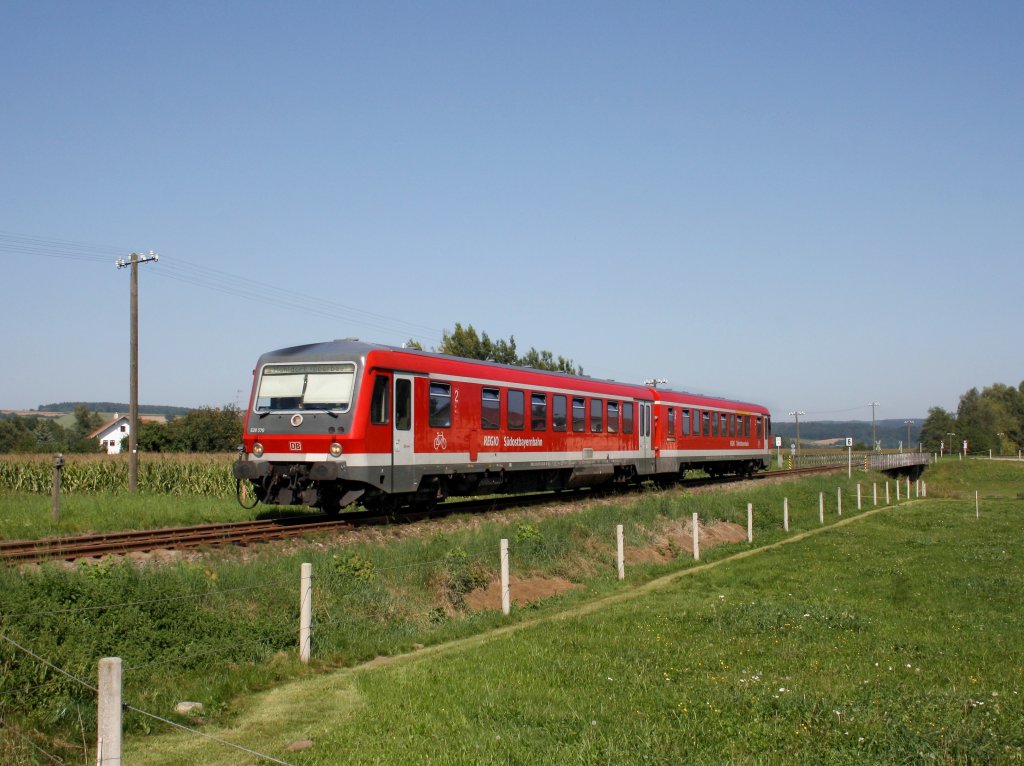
{"points": [[133, 404]]}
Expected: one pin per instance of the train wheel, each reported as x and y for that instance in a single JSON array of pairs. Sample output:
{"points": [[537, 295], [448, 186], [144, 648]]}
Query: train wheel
{"points": [[246, 493]]}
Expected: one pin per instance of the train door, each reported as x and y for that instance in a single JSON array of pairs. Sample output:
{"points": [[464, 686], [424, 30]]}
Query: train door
{"points": [[403, 446], [645, 435]]}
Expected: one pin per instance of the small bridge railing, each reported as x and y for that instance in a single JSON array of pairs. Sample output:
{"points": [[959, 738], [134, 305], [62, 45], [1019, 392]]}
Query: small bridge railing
{"points": [[865, 461]]}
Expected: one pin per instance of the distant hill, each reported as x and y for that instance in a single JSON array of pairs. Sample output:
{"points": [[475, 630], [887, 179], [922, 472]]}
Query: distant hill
{"points": [[889, 432], [144, 409]]}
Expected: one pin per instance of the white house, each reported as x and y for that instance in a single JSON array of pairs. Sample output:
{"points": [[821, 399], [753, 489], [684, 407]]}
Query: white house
{"points": [[111, 434]]}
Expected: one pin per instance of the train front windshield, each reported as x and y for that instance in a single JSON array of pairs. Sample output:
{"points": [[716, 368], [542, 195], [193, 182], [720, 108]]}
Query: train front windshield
{"points": [[306, 387]]}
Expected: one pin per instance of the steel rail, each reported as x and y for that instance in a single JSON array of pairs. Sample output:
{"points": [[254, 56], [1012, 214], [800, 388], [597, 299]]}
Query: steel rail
{"points": [[243, 532]]}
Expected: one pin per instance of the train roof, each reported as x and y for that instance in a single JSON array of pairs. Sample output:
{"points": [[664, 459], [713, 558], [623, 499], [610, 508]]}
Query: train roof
{"points": [[352, 348]]}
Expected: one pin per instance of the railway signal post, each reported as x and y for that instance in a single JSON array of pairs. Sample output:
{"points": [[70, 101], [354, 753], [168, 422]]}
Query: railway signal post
{"points": [[58, 464]]}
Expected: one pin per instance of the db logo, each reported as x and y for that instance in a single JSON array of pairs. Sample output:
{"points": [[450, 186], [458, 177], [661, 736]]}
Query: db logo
{"points": [[295, 446]]}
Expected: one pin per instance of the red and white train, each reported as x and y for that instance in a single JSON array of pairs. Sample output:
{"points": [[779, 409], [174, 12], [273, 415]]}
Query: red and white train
{"points": [[331, 424]]}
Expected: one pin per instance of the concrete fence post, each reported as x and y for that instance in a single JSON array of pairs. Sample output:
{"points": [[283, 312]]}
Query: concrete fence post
{"points": [[839, 501], [785, 513], [908, 488], [858, 496], [750, 522], [506, 598], [874, 492], [305, 611], [620, 551], [696, 539], [887, 493], [108, 712], [821, 507]]}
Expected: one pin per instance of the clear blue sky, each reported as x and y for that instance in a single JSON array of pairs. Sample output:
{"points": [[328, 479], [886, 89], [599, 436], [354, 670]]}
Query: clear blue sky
{"points": [[809, 205]]}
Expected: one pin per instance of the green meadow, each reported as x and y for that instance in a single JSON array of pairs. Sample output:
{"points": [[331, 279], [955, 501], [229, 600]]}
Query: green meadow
{"points": [[883, 637]]}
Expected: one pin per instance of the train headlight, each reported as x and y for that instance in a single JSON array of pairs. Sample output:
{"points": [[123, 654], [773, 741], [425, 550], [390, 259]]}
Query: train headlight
{"points": [[257, 449], [335, 449]]}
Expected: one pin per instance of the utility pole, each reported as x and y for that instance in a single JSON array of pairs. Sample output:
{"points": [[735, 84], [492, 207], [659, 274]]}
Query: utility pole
{"points": [[874, 443], [796, 414], [133, 404]]}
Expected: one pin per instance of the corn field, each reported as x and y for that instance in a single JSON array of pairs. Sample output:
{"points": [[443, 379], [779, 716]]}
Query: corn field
{"points": [[159, 474]]}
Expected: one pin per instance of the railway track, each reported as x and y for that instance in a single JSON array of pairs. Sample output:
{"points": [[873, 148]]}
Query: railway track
{"points": [[246, 532]]}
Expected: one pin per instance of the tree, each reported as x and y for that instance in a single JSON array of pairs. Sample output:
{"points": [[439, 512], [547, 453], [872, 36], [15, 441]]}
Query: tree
{"points": [[990, 419], [466, 343], [86, 421], [207, 429], [977, 421], [938, 423]]}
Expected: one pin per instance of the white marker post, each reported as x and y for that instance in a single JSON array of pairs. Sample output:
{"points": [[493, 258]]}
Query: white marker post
{"points": [[750, 522], [506, 600], [897, 491], [785, 513], [696, 540], [977, 507], [821, 507], [108, 712], [858, 496], [887, 493], [839, 501], [621, 556], [874, 491], [908, 488], [305, 611]]}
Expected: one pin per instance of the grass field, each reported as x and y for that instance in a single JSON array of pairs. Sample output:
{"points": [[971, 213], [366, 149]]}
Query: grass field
{"points": [[892, 639], [918, 582]]}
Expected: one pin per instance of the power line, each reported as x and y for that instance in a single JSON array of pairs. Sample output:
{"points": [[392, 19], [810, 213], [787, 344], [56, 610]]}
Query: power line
{"points": [[216, 280]]}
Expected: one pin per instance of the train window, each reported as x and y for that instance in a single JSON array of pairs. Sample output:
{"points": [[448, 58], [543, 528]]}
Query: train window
{"points": [[705, 417], [757, 423], [596, 411], [684, 423], [579, 414], [380, 403], [516, 413], [559, 413], [490, 409], [306, 387], [671, 421], [746, 426], [613, 417], [732, 426], [627, 417], [539, 412], [403, 404], [440, 405], [724, 425]]}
